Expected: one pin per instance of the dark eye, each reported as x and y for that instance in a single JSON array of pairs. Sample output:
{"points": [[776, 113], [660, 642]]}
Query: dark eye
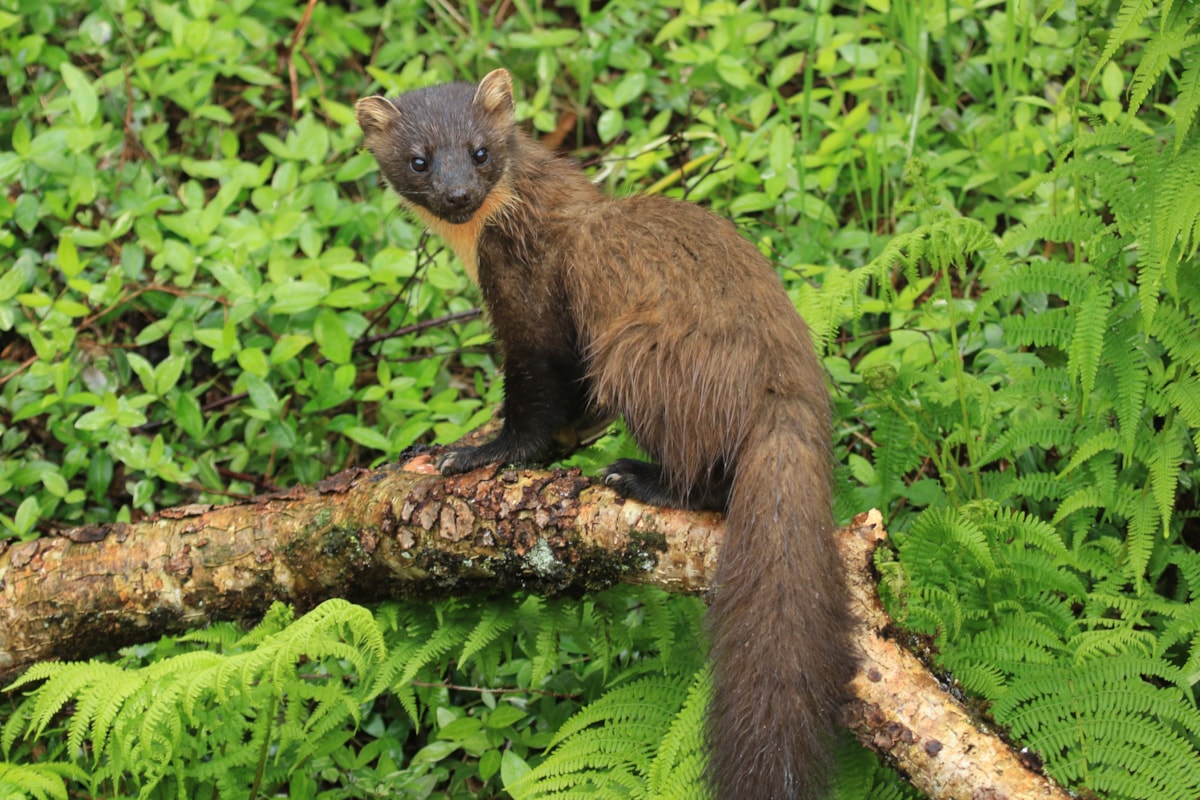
{"points": [[418, 164], [481, 155]]}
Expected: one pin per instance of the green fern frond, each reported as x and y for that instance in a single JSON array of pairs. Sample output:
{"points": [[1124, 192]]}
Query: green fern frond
{"points": [[1188, 102], [495, 621], [1020, 528], [1038, 276], [1107, 608], [1112, 640], [1051, 433], [1048, 386], [1078, 500], [650, 700], [99, 704], [332, 708], [1175, 328], [1008, 485], [335, 629], [940, 613], [222, 636], [607, 748], [1126, 356], [41, 781], [1101, 441], [979, 677], [278, 617], [1178, 208], [659, 618], [1087, 338], [860, 776], [1141, 534], [1184, 396], [545, 656], [1103, 717], [407, 659], [1165, 457], [895, 454], [1131, 15], [63, 683], [1157, 55], [942, 243], [138, 723], [1049, 328], [1017, 640], [677, 771], [1100, 138]]}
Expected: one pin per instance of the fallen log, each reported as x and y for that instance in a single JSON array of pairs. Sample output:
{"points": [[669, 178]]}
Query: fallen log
{"points": [[406, 531]]}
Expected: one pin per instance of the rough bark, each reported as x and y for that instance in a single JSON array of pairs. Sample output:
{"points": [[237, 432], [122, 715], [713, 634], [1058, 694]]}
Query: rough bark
{"points": [[403, 531], [399, 531], [900, 710]]}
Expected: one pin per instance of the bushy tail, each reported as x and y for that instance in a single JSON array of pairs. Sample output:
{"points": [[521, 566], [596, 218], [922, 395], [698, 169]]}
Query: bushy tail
{"points": [[779, 620]]}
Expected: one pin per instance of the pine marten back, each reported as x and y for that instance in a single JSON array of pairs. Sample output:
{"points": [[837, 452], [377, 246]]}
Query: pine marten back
{"points": [[657, 310]]}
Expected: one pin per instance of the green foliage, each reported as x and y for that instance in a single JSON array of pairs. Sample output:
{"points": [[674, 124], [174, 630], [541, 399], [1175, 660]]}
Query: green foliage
{"points": [[986, 212], [187, 306], [305, 705], [641, 739], [40, 781], [1061, 429]]}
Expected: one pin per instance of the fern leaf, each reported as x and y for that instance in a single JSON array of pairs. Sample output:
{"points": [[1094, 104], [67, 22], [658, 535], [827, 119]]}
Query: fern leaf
{"points": [[1049, 328], [545, 657], [1166, 458], [319, 634], [493, 622], [1157, 55], [1140, 536], [1184, 396], [647, 700], [1102, 441], [63, 683], [656, 611], [1086, 497], [335, 708], [1178, 208], [1189, 96], [1176, 329], [1129, 17], [41, 781], [677, 771], [106, 703], [1127, 725], [1051, 433], [1124, 350], [606, 749], [1087, 338]]}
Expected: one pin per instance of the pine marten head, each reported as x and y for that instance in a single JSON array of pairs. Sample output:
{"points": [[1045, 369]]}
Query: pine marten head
{"points": [[444, 149]]}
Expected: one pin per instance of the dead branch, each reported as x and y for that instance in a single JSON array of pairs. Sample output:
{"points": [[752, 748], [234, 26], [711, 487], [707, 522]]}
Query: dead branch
{"points": [[404, 531]]}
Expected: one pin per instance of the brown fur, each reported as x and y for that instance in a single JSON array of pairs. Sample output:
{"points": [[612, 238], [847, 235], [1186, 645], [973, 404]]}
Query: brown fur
{"points": [[660, 311]]}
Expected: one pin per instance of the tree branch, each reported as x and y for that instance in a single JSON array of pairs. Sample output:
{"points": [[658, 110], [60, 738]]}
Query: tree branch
{"points": [[399, 531], [405, 530]]}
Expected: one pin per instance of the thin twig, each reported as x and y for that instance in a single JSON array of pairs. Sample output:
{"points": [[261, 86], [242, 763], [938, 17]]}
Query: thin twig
{"points": [[297, 35]]}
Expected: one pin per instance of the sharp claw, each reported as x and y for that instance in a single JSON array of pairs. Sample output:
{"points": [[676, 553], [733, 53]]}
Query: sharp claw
{"points": [[446, 463]]}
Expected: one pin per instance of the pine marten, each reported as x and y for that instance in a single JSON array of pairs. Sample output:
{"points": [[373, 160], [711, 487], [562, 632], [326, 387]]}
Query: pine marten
{"points": [[658, 310]]}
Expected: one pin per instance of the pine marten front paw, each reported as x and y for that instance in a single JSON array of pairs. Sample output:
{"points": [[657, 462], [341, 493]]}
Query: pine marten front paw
{"points": [[636, 480], [459, 460]]}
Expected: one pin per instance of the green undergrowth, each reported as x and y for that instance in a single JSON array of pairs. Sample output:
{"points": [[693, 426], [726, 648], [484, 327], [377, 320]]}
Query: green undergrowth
{"points": [[986, 212]]}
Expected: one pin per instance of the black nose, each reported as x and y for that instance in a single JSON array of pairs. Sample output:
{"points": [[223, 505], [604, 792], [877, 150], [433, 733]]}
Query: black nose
{"points": [[457, 198]]}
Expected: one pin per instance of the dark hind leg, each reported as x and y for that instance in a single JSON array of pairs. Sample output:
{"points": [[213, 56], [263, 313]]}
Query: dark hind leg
{"points": [[648, 483]]}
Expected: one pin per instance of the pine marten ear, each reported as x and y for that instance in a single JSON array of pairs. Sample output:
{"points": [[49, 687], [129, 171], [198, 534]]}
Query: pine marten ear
{"points": [[376, 116], [495, 93]]}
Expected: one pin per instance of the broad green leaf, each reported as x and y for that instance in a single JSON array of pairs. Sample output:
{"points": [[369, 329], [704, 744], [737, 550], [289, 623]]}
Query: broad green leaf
{"points": [[84, 101]]}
